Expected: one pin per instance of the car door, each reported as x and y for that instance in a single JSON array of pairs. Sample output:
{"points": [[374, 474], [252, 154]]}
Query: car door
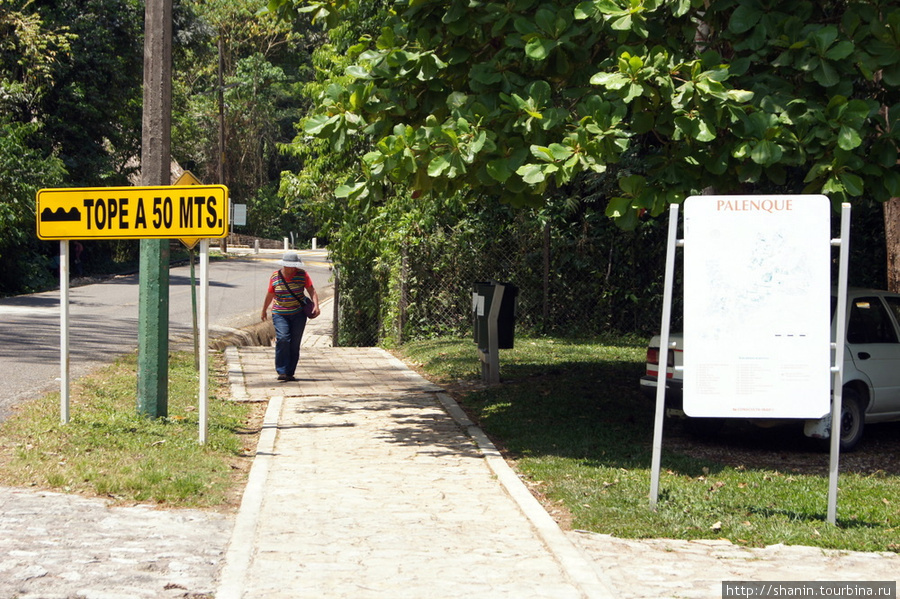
{"points": [[875, 349]]}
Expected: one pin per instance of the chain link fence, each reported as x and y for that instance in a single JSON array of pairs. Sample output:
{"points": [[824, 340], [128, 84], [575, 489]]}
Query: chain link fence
{"points": [[576, 272], [574, 279]]}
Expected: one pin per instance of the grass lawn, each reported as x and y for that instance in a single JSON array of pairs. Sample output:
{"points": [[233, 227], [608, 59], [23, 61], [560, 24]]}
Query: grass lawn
{"points": [[570, 416], [107, 449]]}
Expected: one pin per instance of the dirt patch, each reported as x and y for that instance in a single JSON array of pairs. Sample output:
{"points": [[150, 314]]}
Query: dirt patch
{"points": [[786, 449], [241, 464]]}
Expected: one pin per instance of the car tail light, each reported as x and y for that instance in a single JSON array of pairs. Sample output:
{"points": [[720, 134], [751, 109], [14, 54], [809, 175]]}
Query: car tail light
{"points": [[653, 359]]}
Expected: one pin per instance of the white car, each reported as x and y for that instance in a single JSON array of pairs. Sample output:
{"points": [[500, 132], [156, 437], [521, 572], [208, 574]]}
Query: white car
{"points": [[871, 390]]}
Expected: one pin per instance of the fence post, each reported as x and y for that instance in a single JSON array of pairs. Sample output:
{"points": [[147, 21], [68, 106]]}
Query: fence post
{"points": [[335, 308], [545, 311], [404, 291]]}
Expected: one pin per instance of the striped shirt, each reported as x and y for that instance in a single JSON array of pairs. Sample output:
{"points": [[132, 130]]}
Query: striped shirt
{"points": [[284, 302]]}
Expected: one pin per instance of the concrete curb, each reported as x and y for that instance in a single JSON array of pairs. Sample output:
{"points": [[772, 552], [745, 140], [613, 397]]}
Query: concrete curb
{"points": [[241, 546], [235, 374]]}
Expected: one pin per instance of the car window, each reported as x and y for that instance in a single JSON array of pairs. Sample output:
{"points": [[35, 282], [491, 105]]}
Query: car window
{"points": [[894, 304], [870, 322]]}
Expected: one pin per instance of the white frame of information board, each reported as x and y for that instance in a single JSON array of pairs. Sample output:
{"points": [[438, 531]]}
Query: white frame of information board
{"points": [[837, 348]]}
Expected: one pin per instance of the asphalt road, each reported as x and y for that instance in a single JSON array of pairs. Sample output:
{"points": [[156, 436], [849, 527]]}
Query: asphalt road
{"points": [[103, 320]]}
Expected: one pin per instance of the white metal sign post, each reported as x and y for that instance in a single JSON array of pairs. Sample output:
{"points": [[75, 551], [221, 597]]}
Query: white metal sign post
{"points": [[204, 337], [64, 331]]}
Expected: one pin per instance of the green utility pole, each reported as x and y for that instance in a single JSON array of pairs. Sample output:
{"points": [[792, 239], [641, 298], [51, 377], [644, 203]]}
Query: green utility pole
{"points": [[153, 329], [153, 308]]}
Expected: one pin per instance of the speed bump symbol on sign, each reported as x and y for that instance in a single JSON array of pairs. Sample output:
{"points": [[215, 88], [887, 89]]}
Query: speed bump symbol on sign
{"points": [[160, 212]]}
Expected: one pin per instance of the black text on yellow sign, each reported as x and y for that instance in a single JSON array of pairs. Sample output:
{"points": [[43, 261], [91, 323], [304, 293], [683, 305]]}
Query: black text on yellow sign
{"points": [[159, 212]]}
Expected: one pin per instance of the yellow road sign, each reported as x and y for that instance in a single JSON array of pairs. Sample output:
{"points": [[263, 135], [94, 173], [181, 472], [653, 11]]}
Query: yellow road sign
{"points": [[160, 212], [188, 178]]}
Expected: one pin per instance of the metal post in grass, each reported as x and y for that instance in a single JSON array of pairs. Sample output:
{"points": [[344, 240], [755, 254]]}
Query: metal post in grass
{"points": [[663, 355], [838, 368], [203, 398], [64, 331]]}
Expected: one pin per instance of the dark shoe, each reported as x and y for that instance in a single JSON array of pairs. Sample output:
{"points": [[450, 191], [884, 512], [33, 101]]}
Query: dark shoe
{"points": [[283, 377], [290, 377]]}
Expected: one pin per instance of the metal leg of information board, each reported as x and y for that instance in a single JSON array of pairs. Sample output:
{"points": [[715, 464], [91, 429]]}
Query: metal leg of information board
{"points": [[663, 355], [840, 335]]}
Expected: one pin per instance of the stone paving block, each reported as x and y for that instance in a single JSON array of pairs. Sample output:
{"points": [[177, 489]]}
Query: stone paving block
{"points": [[52, 544]]}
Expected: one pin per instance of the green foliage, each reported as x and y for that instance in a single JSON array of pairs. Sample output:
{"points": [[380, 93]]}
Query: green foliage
{"points": [[588, 111], [29, 52], [70, 80], [515, 100], [71, 72], [358, 232], [92, 112], [23, 170], [264, 64]]}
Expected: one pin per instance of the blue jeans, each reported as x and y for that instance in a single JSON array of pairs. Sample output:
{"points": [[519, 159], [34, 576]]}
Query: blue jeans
{"points": [[288, 333]]}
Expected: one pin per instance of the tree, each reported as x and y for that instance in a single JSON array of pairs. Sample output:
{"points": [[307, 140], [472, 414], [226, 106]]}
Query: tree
{"points": [[92, 112], [264, 60], [521, 99], [28, 52]]}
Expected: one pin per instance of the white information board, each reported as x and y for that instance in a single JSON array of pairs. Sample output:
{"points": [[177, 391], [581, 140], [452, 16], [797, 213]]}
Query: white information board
{"points": [[757, 289]]}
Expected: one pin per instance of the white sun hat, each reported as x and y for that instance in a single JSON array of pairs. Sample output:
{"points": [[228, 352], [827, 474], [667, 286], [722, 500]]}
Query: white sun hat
{"points": [[291, 260]]}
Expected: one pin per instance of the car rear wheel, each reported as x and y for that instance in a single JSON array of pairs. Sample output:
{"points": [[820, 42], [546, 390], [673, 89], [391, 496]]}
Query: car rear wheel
{"points": [[703, 427], [852, 419]]}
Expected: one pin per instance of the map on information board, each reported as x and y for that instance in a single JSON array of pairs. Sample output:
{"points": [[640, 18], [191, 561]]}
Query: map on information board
{"points": [[757, 289]]}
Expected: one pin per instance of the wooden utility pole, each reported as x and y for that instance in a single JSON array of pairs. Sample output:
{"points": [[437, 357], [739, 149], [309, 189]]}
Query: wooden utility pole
{"points": [[153, 308], [220, 170]]}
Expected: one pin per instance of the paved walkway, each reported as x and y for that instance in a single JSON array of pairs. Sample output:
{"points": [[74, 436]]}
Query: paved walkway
{"points": [[365, 486]]}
